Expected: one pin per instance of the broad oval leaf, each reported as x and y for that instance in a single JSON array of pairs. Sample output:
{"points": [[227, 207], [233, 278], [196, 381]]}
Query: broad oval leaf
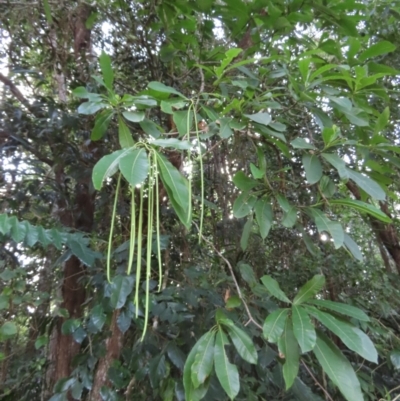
{"points": [[345, 331], [135, 166], [289, 348], [312, 167], [309, 289], [367, 184], [274, 325], [160, 87], [243, 205], [303, 329], [243, 182], [273, 288], [204, 359], [343, 309], [183, 120], [227, 373], [260, 118], [91, 107], [134, 116], [338, 368], [106, 70], [124, 134], [121, 287], [242, 342], [8, 329], [264, 216], [107, 166]]}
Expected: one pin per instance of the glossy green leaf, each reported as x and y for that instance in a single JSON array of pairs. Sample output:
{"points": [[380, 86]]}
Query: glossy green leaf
{"points": [[309, 289], [274, 324], [353, 248], [192, 393], [121, 287], [107, 166], [102, 122], [243, 182], [244, 240], [172, 143], [227, 373], [242, 342], [312, 167], [8, 329], [338, 368], [225, 131], [160, 87], [204, 359], [90, 107], [334, 228], [363, 207], [134, 116], [367, 184], [264, 216], [150, 128], [377, 49], [260, 118], [289, 348], [183, 120], [303, 329], [395, 359], [5, 224], [243, 205], [124, 134], [289, 217], [301, 143], [82, 252], [106, 70], [350, 337], [233, 302], [273, 288], [135, 166], [338, 163]]}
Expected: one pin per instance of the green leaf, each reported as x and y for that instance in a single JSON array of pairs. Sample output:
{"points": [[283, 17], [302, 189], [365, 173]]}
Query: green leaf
{"points": [[89, 108], [102, 122], [260, 118], [227, 373], [312, 167], [172, 143], [395, 359], [338, 368], [157, 370], [177, 188], [323, 224], [289, 218], [329, 134], [301, 143], [303, 329], [288, 347], [242, 342], [352, 246], [135, 166], [160, 87], [192, 393], [367, 184], [134, 116], [124, 134], [338, 163], [243, 182], [47, 11], [309, 289], [363, 207], [150, 128], [247, 273], [18, 230], [82, 252], [273, 288], [41, 341], [106, 70], [343, 309], [107, 166], [69, 326], [264, 216], [382, 121], [377, 49], [233, 302], [183, 120], [8, 329], [256, 172], [244, 240], [274, 324], [243, 205], [5, 224], [121, 287], [204, 359], [350, 337]]}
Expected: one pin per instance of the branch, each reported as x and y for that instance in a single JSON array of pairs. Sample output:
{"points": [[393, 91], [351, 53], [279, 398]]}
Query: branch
{"points": [[16, 92], [250, 316], [328, 397]]}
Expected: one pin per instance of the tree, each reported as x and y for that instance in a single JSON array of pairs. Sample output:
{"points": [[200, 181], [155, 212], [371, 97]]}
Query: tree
{"points": [[201, 196]]}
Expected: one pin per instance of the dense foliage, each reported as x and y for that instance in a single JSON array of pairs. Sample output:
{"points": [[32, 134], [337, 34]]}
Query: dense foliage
{"points": [[199, 200]]}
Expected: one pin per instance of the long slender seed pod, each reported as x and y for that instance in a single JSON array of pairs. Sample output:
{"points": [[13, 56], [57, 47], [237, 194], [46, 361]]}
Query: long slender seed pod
{"points": [[139, 251], [149, 249], [110, 237], [189, 212], [133, 232], [201, 176], [157, 224]]}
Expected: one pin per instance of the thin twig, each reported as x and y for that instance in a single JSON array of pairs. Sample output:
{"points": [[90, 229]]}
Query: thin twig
{"points": [[251, 319], [328, 397]]}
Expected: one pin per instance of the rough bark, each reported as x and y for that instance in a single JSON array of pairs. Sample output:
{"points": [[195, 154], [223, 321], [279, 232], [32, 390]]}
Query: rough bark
{"points": [[113, 350], [386, 233]]}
